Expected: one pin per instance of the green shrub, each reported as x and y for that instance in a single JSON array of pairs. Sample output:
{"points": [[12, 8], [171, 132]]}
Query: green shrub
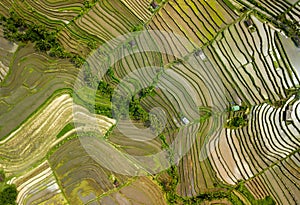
{"points": [[16, 29], [8, 195]]}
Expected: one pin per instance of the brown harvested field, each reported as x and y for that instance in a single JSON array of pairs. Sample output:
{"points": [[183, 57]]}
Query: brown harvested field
{"points": [[5, 5], [141, 191], [39, 186], [34, 78], [139, 8], [82, 178], [198, 21], [19, 152], [106, 13], [134, 145], [226, 90], [195, 172]]}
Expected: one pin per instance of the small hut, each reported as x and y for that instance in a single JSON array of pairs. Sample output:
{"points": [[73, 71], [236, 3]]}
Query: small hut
{"points": [[185, 121], [235, 108]]}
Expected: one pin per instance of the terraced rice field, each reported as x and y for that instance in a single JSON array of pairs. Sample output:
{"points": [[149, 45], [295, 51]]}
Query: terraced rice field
{"points": [[38, 77], [85, 181], [275, 8], [52, 14], [17, 151], [199, 21], [5, 5], [225, 90], [141, 191], [7, 51], [39, 187], [140, 9], [102, 23]]}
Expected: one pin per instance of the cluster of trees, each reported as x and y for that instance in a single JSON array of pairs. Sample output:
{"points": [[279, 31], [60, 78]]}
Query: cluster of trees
{"points": [[16, 29], [138, 27], [205, 114], [8, 195], [105, 89], [88, 4], [169, 183], [111, 74], [163, 139], [236, 122], [290, 27], [137, 112], [8, 192], [146, 92]]}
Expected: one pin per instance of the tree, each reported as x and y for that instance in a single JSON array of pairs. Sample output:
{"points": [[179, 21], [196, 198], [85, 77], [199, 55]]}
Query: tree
{"points": [[16, 29], [138, 27], [77, 60], [8, 195]]}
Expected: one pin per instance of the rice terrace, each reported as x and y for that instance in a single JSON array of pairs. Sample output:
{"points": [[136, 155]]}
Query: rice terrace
{"points": [[152, 102]]}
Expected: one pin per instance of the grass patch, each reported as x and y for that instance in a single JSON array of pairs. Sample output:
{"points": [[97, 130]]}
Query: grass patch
{"points": [[66, 129], [229, 4], [234, 199], [244, 191]]}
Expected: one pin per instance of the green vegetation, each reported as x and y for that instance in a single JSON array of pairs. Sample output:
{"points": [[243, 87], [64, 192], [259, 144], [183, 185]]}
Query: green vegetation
{"points": [[138, 27], [169, 180], [99, 102], [290, 28], [236, 122], [229, 4], [111, 74], [234, 60], [205, 113], [8, 193], [245, 192], [104, 93], [103, 97], [234, 199], [2, 176], [89, 4], [105, 89], [137, 112], [163, 139], [294, 91], [66, 129], [16, 29]]}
